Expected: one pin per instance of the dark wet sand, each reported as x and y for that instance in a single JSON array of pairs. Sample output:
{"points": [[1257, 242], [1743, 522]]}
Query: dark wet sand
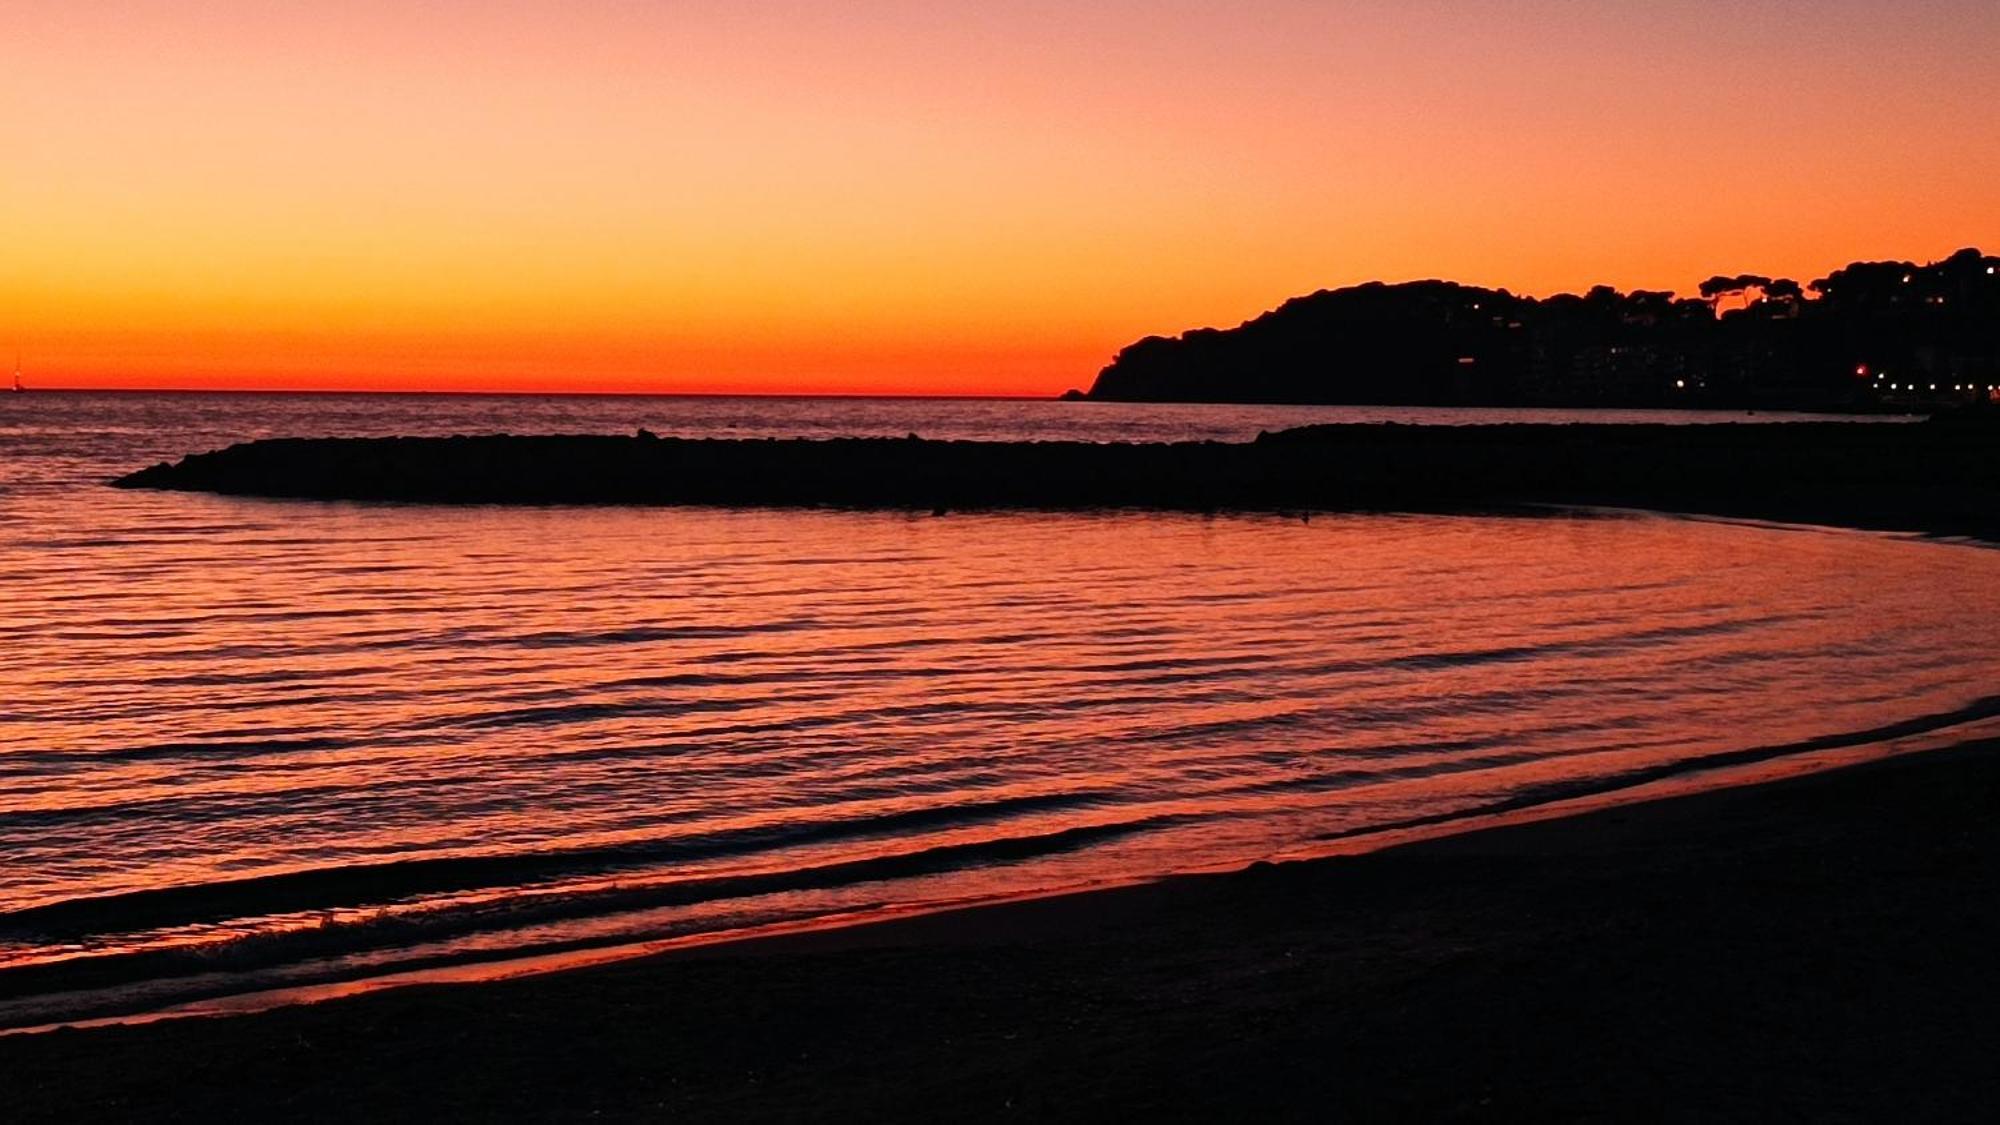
{"points": [[1820, 948]]}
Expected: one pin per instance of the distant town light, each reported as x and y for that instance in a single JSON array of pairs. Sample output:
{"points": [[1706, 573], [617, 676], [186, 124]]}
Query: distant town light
{"points": [[1681, 383]]}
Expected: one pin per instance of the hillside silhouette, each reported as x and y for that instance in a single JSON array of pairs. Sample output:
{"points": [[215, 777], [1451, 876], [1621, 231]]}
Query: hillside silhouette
{"points": [[1870, 336]]}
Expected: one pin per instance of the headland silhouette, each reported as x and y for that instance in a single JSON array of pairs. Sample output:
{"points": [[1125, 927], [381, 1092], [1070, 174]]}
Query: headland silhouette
{"points": [[1884, 335]]}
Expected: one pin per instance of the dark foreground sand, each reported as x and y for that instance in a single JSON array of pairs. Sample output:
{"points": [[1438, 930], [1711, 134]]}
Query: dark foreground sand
{"points": [[1820, 948]]}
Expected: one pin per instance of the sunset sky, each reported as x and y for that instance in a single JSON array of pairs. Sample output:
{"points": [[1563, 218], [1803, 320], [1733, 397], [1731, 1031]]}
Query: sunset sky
{"points": [[936, 196]]}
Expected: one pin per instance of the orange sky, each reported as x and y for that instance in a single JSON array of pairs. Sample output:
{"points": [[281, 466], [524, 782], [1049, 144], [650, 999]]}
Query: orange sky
{"points": [[947, 197]]}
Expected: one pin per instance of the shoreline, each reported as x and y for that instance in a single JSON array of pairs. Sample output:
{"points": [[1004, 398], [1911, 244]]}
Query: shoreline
{"points": [[1196, 923], [1713, 772]]}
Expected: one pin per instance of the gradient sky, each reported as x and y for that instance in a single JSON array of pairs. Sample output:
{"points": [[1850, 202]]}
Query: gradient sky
{"points": [[944, 196]]}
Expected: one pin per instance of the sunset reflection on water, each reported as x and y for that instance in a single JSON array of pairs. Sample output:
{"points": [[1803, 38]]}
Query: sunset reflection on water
{"points": [[325, 738]]}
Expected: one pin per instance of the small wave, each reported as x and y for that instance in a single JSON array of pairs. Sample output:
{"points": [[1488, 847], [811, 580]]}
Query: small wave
{"points": [[171, 750], [409, 928], [651, 633], [1591, 646], [1552, 792], [591, 712], [239, 679], [365, 884]]}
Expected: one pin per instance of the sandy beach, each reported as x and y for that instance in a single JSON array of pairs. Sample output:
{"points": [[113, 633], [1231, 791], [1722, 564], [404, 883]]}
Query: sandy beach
{"points": [[1817, 947]]}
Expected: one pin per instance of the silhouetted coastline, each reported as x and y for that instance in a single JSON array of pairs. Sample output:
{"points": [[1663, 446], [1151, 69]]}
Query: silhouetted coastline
{"points": [[1888, 335], [1941, 476]]}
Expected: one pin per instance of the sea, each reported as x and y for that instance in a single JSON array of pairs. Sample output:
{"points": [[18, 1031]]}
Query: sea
{"points": [[251, 749]]}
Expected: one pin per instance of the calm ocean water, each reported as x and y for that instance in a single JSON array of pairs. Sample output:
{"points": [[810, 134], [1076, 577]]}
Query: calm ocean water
{"points": [[249, 743]]}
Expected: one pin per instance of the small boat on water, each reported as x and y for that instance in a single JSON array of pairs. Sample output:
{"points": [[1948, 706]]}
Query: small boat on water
{"points": [[18, 388]]}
